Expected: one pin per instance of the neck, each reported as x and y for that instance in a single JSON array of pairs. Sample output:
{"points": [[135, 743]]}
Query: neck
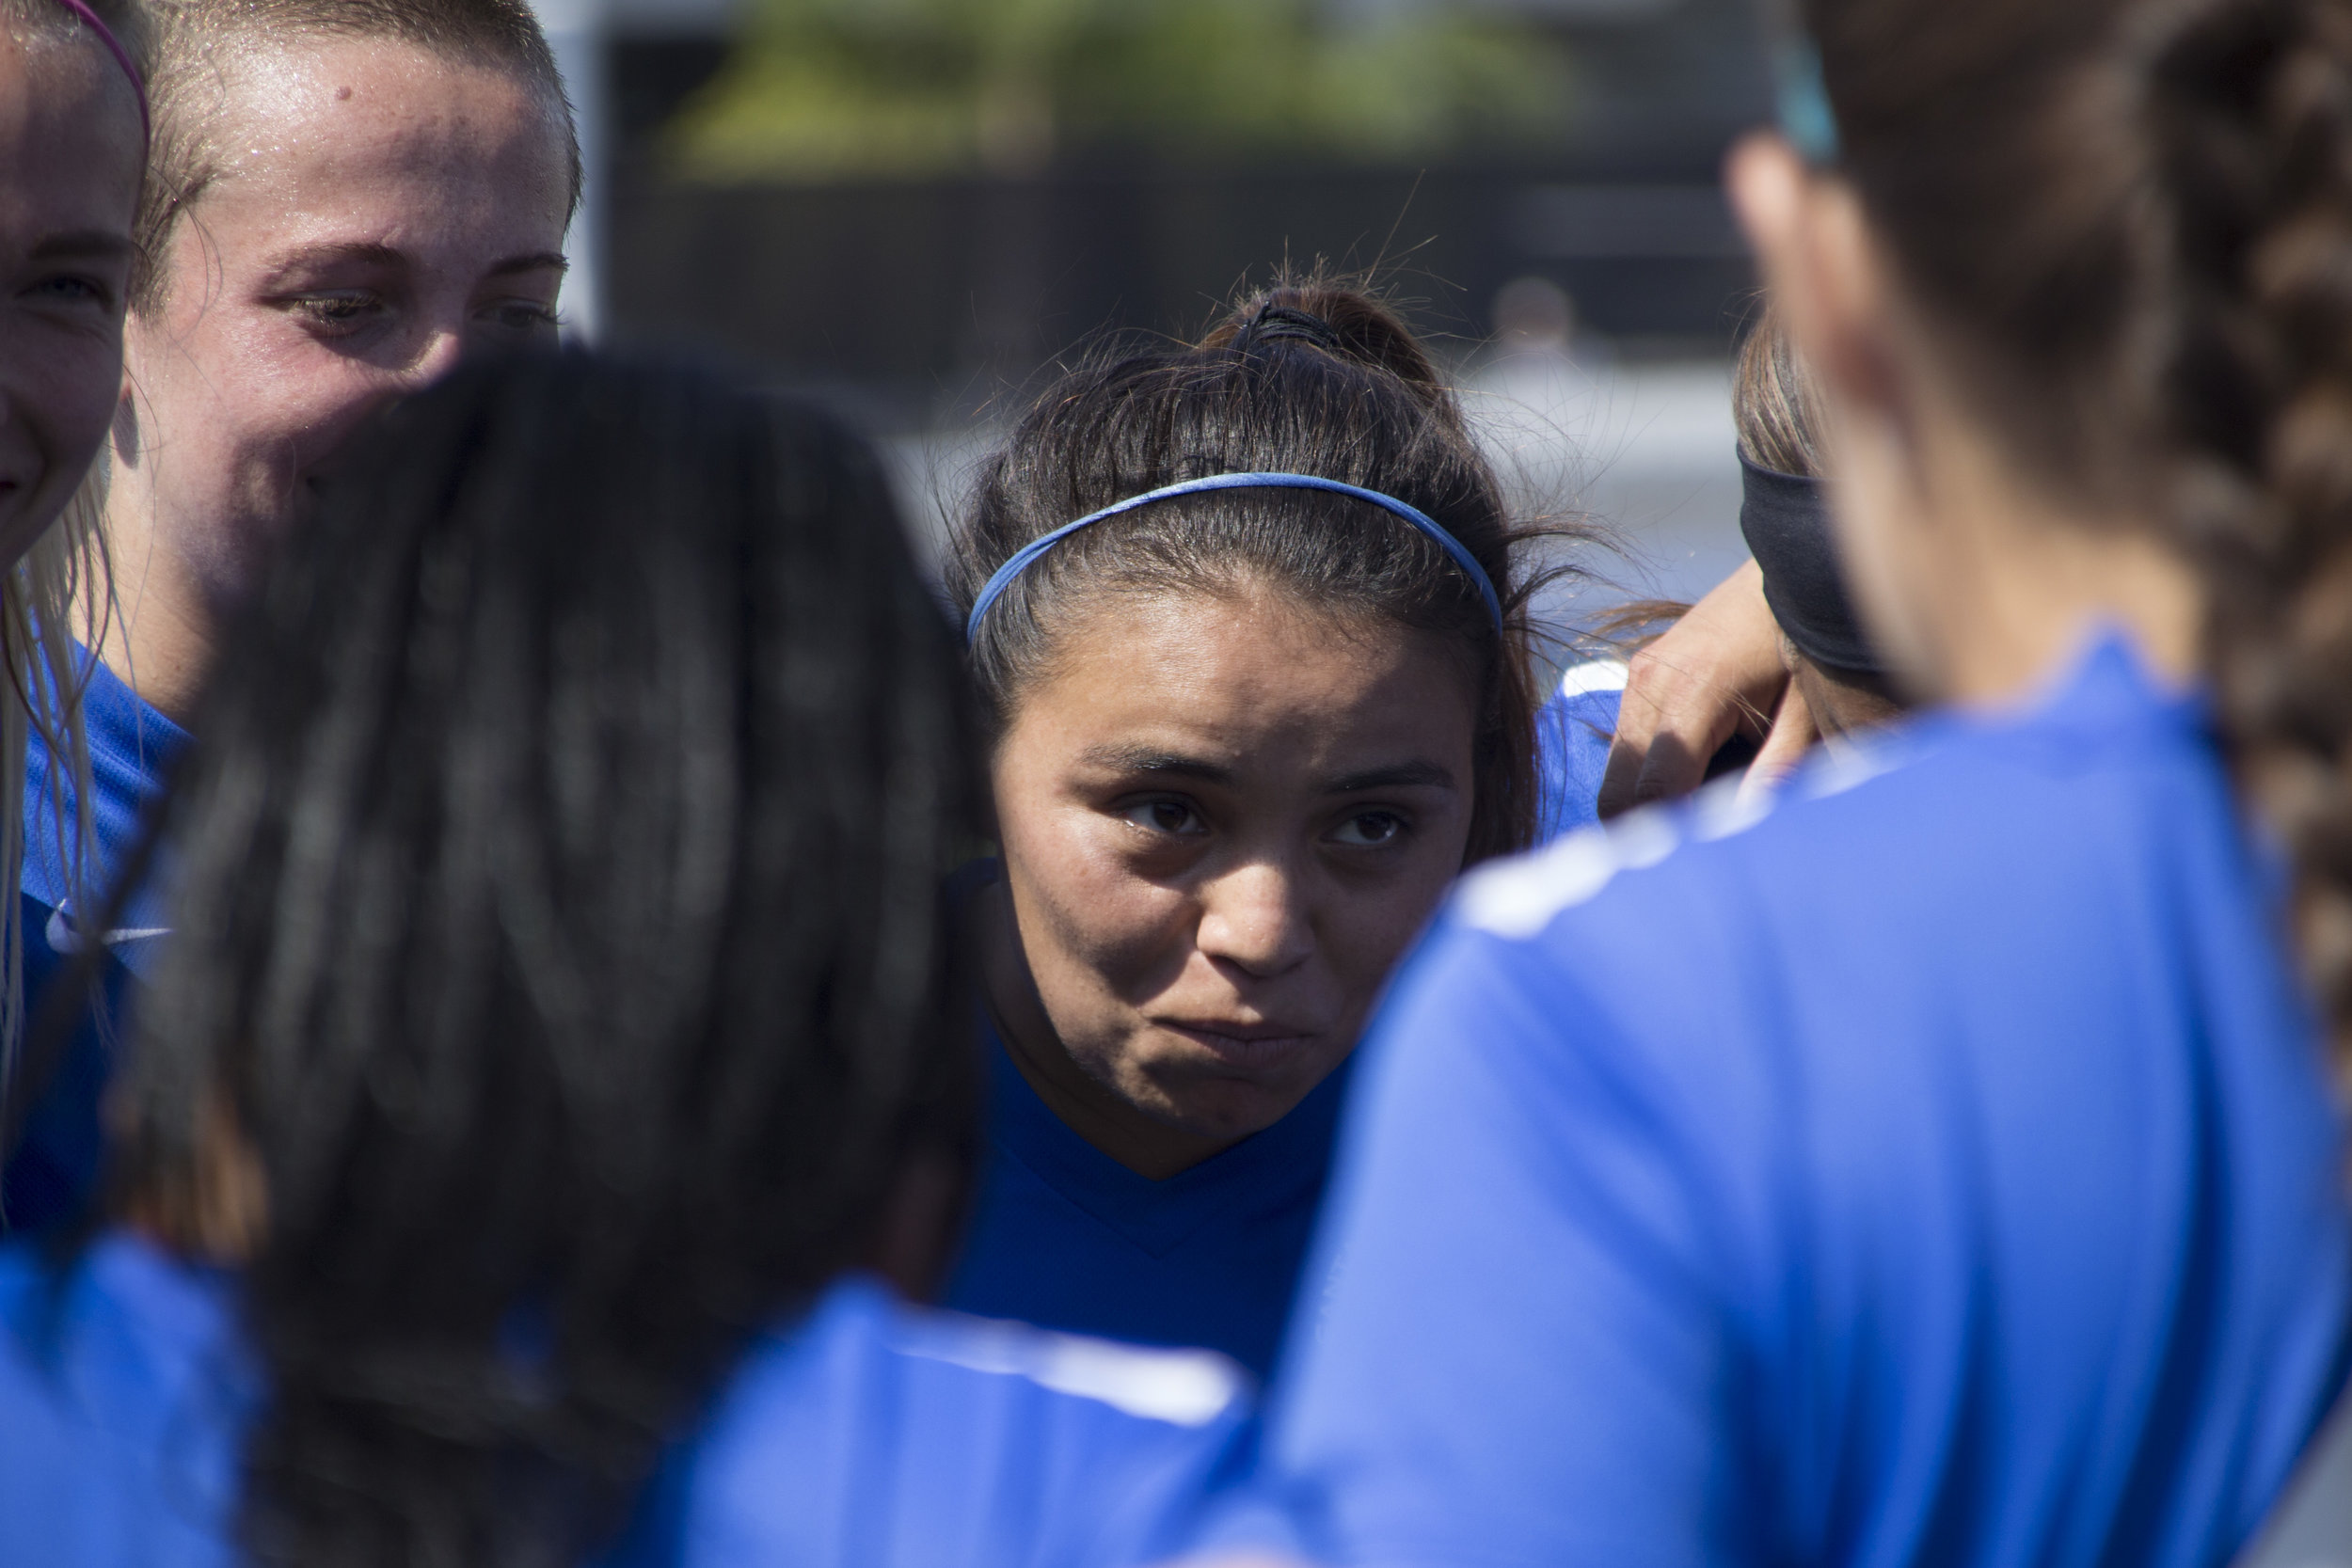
{"points": [[1998, 586], [2025, 625], [157, 633], [1150, 1148]]}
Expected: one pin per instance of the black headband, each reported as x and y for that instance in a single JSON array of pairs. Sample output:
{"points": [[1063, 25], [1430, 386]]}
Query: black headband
{"points": [[1786, 521]]}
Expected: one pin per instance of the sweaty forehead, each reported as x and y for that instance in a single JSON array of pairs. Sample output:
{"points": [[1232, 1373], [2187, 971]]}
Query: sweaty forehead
{"points": [[338, 112], [1247, 675]]}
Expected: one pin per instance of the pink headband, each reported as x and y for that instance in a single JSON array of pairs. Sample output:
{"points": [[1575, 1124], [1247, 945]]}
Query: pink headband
{"points": [[122, 58]]}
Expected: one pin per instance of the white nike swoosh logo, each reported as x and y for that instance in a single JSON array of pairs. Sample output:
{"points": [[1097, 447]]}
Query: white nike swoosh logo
{"points": [[64, 937]]}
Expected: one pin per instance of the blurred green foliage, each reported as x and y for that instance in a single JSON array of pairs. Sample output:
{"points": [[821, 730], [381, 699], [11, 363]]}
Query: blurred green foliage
{"points": [[825, 89]]}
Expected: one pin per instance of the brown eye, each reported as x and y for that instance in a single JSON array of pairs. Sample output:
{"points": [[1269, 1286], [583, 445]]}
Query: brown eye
{"points": [[1370, 830], [336, 313], [1174, 818]]}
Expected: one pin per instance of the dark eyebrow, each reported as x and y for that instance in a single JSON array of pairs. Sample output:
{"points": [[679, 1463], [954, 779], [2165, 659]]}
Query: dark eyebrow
{"points": [[538, 260], [384, 256], [313, 255], [1404, 775], [1145, 759], [86, 242], [325, 255]]}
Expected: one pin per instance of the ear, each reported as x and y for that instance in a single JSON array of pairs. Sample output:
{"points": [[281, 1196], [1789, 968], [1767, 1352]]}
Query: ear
{"points": [[125, 429], [1823, 268], [124, 434]]}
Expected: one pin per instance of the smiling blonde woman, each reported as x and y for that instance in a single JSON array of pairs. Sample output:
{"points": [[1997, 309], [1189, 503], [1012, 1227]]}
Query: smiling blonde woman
{"points": [[72, 146], [344, 200]]}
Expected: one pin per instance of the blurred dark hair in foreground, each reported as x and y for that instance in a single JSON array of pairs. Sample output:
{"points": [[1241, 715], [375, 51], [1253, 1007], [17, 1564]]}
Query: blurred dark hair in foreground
{"points": [[558, 991]]}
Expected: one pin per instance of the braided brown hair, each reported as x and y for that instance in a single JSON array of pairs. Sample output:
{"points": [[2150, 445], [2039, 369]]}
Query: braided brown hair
{"points": [[2141, 211]]}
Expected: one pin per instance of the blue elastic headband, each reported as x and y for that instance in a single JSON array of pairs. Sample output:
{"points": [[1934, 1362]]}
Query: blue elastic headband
{"points": [[1028, 553]]}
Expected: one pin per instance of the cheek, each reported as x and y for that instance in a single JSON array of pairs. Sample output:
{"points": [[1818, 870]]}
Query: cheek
{"points": [[74, 388], [61, 391], [278, 373], [1367, 936], [1094, 913], [248, 387]]}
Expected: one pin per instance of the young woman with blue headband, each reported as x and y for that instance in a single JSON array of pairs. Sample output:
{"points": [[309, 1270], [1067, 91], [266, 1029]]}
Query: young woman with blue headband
{"points": [[1249, 621]]}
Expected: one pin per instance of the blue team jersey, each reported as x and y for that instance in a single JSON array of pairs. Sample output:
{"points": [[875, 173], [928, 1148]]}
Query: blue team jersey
{"points": [[1067, 1237], [1938, 1170], [1572, 734], [54, 1166], [869, 1434], [133, 748]]}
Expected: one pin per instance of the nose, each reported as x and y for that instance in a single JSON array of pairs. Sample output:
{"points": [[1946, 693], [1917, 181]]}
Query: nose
{"points": [[435, 358], [1256, 918]]}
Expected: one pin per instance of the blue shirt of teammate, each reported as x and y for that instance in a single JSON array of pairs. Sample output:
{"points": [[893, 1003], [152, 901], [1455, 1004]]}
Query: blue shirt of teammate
{"points": [[1939, 1170], [1572, 734], [54, 1164], [1067, 1237], [868, 1435], [132, 747]]}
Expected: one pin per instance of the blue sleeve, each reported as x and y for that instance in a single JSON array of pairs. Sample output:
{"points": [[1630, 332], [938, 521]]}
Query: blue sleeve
{"points": [[1572, 734], [1518, 1355], [904, 1440], [121, 1429]]}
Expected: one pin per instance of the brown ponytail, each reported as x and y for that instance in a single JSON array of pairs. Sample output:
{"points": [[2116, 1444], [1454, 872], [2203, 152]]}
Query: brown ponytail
{"points": [[1359, 327], [2133, 218]]}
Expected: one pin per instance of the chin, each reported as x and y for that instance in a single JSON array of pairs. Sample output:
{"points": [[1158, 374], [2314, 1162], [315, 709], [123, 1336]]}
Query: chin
{"points": [[1225, 1119], [1209, 1098]]}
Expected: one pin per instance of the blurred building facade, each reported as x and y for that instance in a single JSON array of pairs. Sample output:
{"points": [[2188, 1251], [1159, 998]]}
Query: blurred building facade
{"points": [[922, 288], [1587, 287]]}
